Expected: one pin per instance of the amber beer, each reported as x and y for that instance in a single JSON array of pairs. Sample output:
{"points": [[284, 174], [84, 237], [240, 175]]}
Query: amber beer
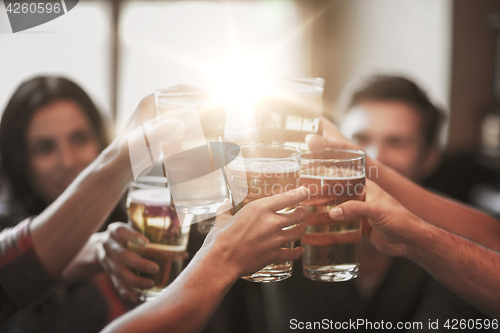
{"points": [[253, 178], [332, 247], [151, 213]]}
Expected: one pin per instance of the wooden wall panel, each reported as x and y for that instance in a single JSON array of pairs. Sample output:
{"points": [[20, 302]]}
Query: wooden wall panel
{"points": [[472, 71]]}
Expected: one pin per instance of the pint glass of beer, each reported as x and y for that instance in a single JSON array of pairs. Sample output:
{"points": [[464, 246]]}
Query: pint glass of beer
{"points": [[204, 195], [331, 247], [258, 171], [151, 212], [289, 111]]}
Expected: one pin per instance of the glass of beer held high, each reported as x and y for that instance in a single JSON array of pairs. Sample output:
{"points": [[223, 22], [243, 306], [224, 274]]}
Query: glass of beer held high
{"points": [[289, 111], [258, 171], [152, 213], [333, 176], [204, 195]]}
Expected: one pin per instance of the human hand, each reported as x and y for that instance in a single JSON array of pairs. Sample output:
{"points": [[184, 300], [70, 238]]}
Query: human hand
{"points": [[332, 138], [252, 239], [390, 226], [145, 110], [143, 137], [316, 142], [117, 260]]}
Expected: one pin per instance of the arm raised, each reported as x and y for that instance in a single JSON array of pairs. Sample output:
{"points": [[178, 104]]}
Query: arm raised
{"points": [[237, 245], [468, 269], [437, 210]]}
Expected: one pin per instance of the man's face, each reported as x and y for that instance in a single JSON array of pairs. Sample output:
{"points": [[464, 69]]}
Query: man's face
{"points": [[390, 132]]}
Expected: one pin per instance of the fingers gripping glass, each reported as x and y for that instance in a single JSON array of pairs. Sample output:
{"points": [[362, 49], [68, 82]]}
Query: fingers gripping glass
{"points": [[259, 171], [333, 176], [151, 212]]}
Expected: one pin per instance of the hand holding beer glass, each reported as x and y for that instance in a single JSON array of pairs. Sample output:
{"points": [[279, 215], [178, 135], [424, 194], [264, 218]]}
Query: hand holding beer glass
{"points": [[152, 213], [333, 176], [259, 171]]}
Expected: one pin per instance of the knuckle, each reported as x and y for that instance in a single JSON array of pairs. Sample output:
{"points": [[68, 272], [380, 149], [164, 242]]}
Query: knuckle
{"points": [[298, 231], [296, 254], [352, 207], [125, 275], [119, 229], [282, 255], [276, 254], [275, 221], [112, 227], [355, 204], [122, 255], [301, 213], [138, 263], [106, 238], [280, 240], [116, 272]]}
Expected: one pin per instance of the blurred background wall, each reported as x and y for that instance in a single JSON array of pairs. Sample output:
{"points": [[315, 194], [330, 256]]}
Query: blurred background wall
{"points": [[122, 50]]}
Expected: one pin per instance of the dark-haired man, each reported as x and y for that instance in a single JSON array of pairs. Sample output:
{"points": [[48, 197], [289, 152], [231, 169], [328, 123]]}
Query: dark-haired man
{"points": [[392, 119], [394, 122]]}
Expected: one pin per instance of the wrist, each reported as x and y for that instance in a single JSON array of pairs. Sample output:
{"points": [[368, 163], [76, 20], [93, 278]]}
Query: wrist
{"points": [[114, 162], [421, 238], [216, 264], [86, 263]]}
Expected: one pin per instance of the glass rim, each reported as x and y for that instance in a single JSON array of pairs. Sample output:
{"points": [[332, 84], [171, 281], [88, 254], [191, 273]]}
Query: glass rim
{"points": [[146, 181], [360, 155], [170, 92], [314, 81], [277, 145]]}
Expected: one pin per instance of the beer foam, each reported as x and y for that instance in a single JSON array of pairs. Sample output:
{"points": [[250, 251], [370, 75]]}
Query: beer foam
{"points": [[151, 197], [264, 165]]}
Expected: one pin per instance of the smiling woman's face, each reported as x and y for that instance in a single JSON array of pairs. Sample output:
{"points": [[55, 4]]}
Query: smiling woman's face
{"points": [[61, 143]]}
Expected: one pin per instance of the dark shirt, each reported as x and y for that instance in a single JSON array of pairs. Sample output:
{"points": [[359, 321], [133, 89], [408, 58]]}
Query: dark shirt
{"points": [[407, 294], [55, 307]]}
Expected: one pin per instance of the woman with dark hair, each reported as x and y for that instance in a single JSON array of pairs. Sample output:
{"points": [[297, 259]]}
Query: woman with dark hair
{"points": [[49, 132], [15, 150], [38, 250]]}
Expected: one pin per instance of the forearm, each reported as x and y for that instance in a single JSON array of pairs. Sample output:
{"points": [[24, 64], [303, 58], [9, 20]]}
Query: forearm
{"points": [[64, 227], [86, 263], [236, 246], [444, 213], [466, 268], [187, 304]]}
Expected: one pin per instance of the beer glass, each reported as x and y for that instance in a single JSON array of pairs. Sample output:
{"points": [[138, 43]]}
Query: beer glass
{"points": [[204, 195], [331, 247], [289, 111], [258, 171], [151, 212]]}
